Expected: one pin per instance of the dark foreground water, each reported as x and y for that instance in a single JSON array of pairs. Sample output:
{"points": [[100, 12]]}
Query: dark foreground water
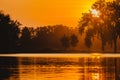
{"points": [[59, 68]]}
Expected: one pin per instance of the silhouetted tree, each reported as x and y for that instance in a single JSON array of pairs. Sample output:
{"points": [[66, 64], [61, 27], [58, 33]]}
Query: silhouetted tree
{"points": [[87, 26], [42, 37], [88, 38], [14, 32], [106, 26], [9, 31], [25, 39], [114, 19], [74, 40], [47, 37], [59, 31], [65, 42]]}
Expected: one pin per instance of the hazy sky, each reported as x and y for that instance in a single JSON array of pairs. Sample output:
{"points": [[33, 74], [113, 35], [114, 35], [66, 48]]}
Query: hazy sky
{"points": [[46, 12]]}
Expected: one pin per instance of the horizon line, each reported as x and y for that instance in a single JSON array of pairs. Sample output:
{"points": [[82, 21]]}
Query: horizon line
{"points": [[61, 55]]}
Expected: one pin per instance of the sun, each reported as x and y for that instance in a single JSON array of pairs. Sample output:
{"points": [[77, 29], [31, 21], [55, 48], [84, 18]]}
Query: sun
{"points": [[95, 12]]}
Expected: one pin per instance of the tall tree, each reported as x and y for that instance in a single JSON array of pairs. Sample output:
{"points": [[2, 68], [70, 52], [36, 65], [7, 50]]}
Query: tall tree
{"points": [[14, 32], [88, 38], [74, 40], [42, 37], [114, 21], [9, 31], [103, 18], [25, 39]]}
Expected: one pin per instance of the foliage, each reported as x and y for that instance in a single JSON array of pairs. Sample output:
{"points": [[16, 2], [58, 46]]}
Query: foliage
{"points": [[106, 26], [74, 40], [9, 31], [65, 41]]}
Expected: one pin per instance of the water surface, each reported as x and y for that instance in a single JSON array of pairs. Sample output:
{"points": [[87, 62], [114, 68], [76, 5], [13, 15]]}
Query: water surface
{"points": [[95, 67]]}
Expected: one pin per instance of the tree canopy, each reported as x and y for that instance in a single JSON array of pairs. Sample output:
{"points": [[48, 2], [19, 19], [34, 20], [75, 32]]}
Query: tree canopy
{"points": [[105, 25]]}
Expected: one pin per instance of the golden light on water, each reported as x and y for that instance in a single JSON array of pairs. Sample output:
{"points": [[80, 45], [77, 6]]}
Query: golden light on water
{"points": [[93, 66], [95, 76], [96, 55], [62, 55], [95, 12]]}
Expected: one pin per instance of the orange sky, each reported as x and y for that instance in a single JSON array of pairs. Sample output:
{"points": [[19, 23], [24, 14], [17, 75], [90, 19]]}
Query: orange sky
{"points": [[46, 12]]}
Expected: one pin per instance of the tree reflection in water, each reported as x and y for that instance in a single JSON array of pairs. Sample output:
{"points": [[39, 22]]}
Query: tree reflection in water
{"points": [[6, 66], [95, 67]]}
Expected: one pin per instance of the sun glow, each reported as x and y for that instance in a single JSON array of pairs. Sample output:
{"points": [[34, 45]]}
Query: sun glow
{"points": [[95, 76], [95, 12]]}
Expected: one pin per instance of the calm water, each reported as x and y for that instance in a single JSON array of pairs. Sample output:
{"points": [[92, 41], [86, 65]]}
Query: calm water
{"points": [[59, 68]]}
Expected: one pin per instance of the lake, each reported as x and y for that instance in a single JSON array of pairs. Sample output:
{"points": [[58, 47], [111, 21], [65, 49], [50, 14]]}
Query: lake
{"points": [[60, 67]]}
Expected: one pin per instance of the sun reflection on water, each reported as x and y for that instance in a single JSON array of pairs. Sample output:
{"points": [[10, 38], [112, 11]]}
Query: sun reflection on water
{"points": [[95, 76], [93, 67]]}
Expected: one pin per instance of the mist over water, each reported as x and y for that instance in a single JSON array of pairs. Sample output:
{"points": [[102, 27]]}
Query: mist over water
{"points": [[60, 68]]}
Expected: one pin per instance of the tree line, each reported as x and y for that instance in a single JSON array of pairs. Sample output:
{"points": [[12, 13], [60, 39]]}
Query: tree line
{"points": [[61, 38], [28, 39], [106, 26]]}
